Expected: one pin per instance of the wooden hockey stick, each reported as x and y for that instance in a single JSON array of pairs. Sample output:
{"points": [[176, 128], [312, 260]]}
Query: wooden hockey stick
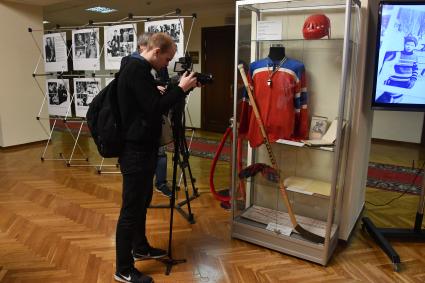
{"points": [[303, 232]]}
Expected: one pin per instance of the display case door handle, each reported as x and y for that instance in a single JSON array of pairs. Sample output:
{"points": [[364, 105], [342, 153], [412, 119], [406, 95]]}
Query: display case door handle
{"points": [[231, 91]]}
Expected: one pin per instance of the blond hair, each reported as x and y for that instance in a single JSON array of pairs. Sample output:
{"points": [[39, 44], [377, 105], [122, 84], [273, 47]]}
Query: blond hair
{"points": [[143, 39], [160, 40]]}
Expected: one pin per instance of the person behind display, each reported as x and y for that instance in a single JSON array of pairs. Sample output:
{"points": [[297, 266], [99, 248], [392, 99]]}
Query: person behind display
{"points": [[161, 165]]}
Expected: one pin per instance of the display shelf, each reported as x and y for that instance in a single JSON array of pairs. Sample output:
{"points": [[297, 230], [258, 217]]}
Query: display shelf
{"points": [[278, 6], [308, 186], [329, 148], [310, 178], [311, 42], [263, 215]]}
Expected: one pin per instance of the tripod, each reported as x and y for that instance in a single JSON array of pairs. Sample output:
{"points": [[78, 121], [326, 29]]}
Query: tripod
{"points": [[181, 158]]}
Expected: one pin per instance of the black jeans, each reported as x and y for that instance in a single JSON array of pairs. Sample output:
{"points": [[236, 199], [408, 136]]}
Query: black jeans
{"points": [[137, 170]]}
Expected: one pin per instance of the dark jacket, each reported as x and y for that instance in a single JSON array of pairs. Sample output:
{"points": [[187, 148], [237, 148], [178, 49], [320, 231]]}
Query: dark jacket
{"points": [[141, 104]]}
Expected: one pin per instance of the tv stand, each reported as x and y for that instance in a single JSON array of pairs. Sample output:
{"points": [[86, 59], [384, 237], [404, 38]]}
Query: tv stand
{"points": [[380, 234]]}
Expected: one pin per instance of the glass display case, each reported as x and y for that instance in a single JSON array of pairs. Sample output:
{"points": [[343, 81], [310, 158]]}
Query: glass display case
{"points": [[299, 58]]}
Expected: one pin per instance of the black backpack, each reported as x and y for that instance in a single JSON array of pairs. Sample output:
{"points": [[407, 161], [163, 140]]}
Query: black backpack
{"points": [[104, 121]]}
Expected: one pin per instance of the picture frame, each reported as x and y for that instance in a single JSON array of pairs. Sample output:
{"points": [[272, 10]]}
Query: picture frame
{"points": [[318, 127]]}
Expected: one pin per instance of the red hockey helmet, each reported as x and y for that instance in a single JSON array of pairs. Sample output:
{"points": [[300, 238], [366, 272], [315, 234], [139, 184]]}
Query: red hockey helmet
{"points": [[316, 26]]}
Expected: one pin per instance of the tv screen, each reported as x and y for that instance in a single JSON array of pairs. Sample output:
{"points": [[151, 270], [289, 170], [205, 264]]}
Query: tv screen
{"points": [[399, 82]]}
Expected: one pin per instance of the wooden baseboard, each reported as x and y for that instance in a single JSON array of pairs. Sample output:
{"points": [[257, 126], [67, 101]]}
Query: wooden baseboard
{"points": [[22, 146], [390, 142]]}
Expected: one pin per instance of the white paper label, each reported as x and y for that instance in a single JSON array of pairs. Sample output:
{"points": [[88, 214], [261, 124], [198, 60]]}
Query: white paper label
{"points": [[279, 229], [269, 30]]}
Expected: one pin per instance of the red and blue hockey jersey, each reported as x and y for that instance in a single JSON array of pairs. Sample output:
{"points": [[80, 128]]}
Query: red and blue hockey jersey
{"points": [[282, 104]]}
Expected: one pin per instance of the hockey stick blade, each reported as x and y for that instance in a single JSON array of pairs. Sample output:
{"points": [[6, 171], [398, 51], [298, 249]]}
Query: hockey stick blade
{"points": [[309, 235]]}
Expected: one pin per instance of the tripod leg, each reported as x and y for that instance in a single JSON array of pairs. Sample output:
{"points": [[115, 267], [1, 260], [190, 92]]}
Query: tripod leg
{"points": [[186, 192], [170, 262], [186, 155]]}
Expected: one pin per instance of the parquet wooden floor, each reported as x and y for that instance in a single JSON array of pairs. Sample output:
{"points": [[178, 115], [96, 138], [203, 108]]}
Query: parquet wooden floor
{"points": [[57, 224]]}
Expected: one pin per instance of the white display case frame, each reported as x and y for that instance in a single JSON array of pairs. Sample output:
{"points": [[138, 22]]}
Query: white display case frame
{"points": [[254, 231]]}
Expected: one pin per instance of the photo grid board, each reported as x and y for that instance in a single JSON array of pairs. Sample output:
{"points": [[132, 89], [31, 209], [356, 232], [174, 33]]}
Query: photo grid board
{"points": [[85, 90], [172, 27], [55, 53], [85, 49], [119, 41], [108, 81], [58, 97]]}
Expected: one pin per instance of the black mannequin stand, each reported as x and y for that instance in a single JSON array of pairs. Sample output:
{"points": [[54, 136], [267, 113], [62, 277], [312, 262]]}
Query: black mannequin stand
{"points": [[276, 53], [380, 234]]}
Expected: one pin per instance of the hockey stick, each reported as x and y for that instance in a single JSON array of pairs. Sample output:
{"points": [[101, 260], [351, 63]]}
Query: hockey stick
{"points": [[303, 232], [268, 172]]}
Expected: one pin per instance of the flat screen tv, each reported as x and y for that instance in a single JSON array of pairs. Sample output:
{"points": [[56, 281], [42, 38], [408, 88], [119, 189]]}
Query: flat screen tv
{"points": [[399, 80]]}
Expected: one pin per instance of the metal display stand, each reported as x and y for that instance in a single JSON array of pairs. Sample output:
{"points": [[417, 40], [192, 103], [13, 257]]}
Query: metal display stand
{"points": [[312, 176], [69, 158], [380, 235], [49, 132]]}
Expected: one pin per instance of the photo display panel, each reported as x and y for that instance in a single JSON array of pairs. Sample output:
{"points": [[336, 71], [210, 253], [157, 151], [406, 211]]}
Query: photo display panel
{"points": [[58, 96], [119, 41], [174, 28], [55, 53], [399, 81], [108, 81], [85, 49], [84, 92]]}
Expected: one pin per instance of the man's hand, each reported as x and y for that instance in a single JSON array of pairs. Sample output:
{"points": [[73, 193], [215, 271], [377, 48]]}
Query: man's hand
{"points": [[161, 89], [188, 81]]}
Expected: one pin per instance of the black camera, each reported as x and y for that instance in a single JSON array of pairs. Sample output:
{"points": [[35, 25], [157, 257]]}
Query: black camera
{"points": [[185, 64]]}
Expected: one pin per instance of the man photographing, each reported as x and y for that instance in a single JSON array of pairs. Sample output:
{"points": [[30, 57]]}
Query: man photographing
{"points": [[141, 108]]}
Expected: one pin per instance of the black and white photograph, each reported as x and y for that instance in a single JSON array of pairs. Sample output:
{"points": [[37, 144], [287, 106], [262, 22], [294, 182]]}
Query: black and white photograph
{"points": [[50, 49], [174, 28], [85, 48], [84, 92], [108, 81], [55, 52], [58, 97], [401, 64], [119, 41], [318, 127]]}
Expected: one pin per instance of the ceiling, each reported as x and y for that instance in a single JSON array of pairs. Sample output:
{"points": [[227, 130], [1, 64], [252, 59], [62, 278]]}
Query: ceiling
{"points": [[37, 2], [72, 13]]}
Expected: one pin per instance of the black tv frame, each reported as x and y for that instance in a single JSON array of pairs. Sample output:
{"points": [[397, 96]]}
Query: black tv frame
{"points": [[391, 106]]}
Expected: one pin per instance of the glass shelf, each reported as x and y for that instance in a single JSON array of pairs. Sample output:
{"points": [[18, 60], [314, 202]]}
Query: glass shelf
{"points": [[329, 148]]}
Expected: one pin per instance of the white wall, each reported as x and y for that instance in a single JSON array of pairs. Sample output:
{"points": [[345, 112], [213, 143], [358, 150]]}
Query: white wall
{"points": [[398, 126], [20, 98]]}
